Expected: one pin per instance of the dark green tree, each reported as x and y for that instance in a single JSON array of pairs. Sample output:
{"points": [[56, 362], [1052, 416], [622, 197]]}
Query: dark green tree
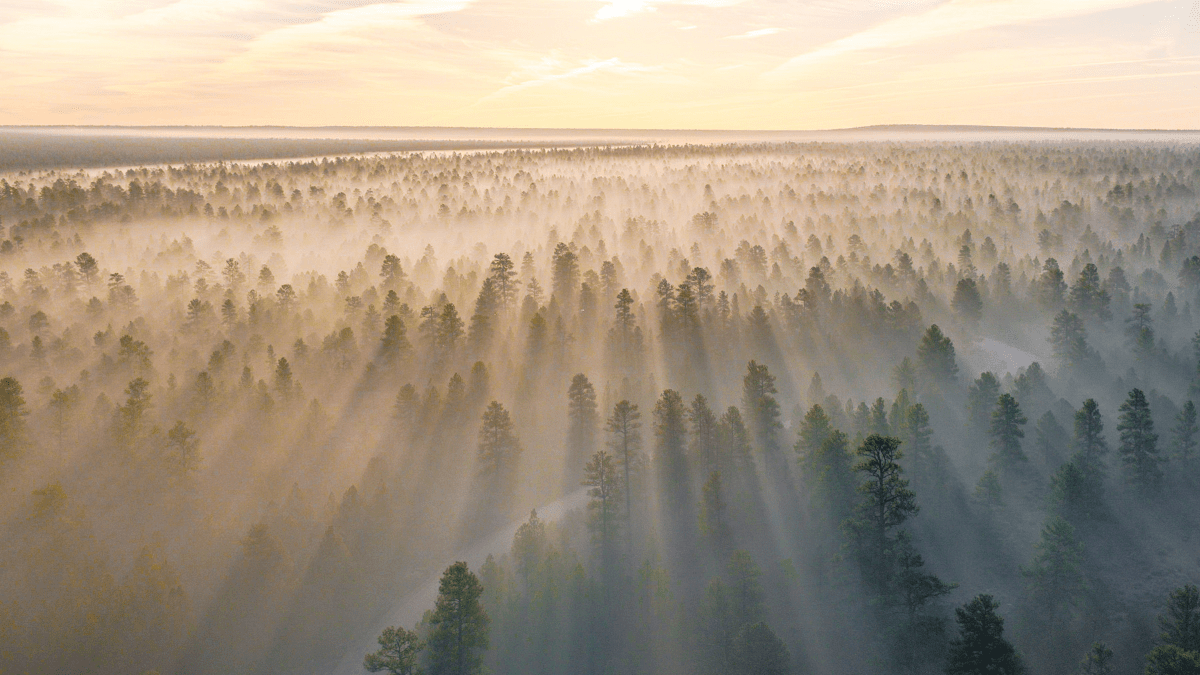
{"points": [[1054, 578], [1006, 432], [1185, 432], [499, 447], [885, 504], [966, 300], [397, 655], [625, 440], [582, 422], [981, 648], [758, 389], [603, 481], [936, 359], [1178, 651], [981, 400], [1139, 444], [12, 418], [757, 650], [1097, 661], [458, 625]]}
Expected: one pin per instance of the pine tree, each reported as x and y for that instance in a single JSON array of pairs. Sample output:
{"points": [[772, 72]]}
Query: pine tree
{"points": [[757, 650], [1006, 432], [981, 400], [714, 519], [670, 431], [1054, 577], [1185, 431], [935, 358], [1178, 651], [1098, 660], [758, 387], [814, 429], [582, 422], [458, 624], [393, 345], [397, 655], [499, 447], [703, 442], [966, 300], [1139, 444], [625, 440], [604, 482], [183, 451], [981, 648], [1068, 338], [885, 505], [12, 419]]}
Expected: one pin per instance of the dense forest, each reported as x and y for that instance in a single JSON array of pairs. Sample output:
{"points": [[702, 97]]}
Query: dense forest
{"points": [[888, 407]]}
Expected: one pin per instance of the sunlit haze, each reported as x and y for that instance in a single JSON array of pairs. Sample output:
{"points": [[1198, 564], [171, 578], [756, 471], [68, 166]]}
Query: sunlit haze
{"points": [[649, 64]]}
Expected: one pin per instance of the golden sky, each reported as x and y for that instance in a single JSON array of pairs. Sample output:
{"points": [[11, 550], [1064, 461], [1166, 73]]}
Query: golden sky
{"points": [[666, 64]]}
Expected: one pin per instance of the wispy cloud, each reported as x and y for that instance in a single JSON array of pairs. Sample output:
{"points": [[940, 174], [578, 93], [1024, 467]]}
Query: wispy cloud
{"points": [[949, 19], [754, 34], [614, 9], [550, 71]]}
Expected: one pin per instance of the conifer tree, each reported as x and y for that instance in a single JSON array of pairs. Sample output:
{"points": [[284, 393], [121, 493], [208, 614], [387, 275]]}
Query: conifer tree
{"points": [[397, 655], [758, 389], [582, 422], [604, 482], [1139, 444], [1185, 433], [981, 648], [1054, 577], [499, 447], [1098, 660], [935, 358], [458, 625], [703, 440], [12, 418], [1006, 432], [625, 440], [885, 504]]}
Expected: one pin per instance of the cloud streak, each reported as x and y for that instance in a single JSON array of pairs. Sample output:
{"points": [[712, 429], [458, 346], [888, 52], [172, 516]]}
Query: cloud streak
{"points": [[950, 19]]}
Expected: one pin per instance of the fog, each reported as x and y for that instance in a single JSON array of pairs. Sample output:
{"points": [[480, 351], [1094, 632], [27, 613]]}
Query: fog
{"points": [[682, 403]]}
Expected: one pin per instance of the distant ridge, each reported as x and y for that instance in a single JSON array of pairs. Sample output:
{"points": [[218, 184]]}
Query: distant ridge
{"points": [[32, 148]]}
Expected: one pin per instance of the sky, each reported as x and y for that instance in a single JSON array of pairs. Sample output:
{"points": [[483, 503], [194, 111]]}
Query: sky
{"points": [[637, 64]]}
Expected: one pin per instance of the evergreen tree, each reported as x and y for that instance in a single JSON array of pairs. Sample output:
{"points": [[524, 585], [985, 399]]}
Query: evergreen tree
{"points": [[981, 648], [935, 358], [1139, 444], [670, 432], [885, 505], [183, 451], [1054, 577], [604, 482], [397, 655], [830, 475], [582, 422], [1185, 431], [757, 650], [625, 440], [966, 300], [981, 400], [704, 439], [458, 624], [1178, 651], [499, 447], [394, 342], [1088, 297], [1139, 330], [714, 519], [12, 418], [814, 429], [1006, 432], [1068, 337], [504, 275], [1098, 660], [758, 389]]}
